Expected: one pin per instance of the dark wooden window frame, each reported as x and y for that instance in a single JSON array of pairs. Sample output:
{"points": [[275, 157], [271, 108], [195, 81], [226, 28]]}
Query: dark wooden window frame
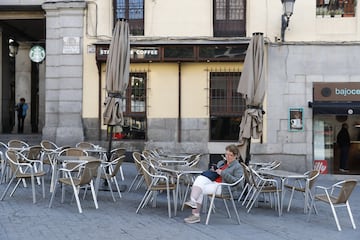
{"points": [[228, 27], [136, 25]]}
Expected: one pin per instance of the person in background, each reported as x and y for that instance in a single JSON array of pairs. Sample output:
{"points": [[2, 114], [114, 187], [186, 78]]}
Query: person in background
{"points": [[21, 109], [230, 172], [343, 141]]}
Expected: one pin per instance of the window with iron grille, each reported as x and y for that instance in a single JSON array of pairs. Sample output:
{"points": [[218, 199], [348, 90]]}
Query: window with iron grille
{"points": [[229, 18], [226, 106], [133, 11], [134, 108]]}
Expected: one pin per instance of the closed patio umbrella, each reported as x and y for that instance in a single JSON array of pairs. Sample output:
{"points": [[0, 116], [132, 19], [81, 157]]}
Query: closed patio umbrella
{"points": [[252, 86], [117, 76]]}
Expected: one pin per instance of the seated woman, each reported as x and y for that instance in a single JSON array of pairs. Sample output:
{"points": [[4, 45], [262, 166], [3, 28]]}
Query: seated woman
{"points": [[230, 172]]}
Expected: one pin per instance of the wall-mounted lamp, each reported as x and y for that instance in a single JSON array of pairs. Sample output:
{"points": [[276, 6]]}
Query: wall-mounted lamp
{"points": [[13, 47], [288, 6]]}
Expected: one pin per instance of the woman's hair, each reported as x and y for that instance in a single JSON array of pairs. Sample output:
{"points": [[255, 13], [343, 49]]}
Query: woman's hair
{"points": [[233, 149]]}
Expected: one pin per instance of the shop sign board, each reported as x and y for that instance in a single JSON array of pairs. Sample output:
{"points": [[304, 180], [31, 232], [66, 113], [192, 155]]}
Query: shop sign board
{"points": [[321, 166], [37, 54], [337, 91]]}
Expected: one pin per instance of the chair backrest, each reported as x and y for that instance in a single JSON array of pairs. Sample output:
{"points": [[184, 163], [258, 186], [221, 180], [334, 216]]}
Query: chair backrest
{"points": [[347, 187], [77, 152], [312, 176], [117, 152], [148, 171], [193, 159], [137, 160], [34, 152], [117, 162], [148, 154], [89, 171], [85, 145], [17, 143], [246, 172], [48, 145], [13, 160]]}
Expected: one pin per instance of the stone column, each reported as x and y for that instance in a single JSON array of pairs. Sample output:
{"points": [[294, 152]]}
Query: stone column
{"points": [[64, 71]]}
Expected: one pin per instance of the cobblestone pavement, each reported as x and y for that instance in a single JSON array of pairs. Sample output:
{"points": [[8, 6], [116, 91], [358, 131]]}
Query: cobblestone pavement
{"points": [[21, 219]]}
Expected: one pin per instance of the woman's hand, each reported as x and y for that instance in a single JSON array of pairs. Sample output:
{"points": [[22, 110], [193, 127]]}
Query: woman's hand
{"points": [[218, 171]]}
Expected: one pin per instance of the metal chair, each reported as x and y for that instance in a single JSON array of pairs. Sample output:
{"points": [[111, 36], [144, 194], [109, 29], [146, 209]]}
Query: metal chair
{"points": [[17, 144], [229, 197], [336, 195], [139, 177], [88, 170], [85, 145], [116, 153], [27, 169], [263, 185], [110, 171], [4, 168], [304, 188], [155, 183]]}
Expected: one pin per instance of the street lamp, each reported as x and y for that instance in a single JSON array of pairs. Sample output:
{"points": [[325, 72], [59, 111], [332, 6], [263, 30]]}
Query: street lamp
{"points": [[288, 6], [13, 47]]}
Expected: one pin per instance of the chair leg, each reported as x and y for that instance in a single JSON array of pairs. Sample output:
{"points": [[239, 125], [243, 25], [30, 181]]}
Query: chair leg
{"points": [[350, 215], [168, 200], [133, 182], [227, 208], [290, 200], [143, 200], [94, 194], [7, 187], [335, 217], [109, 184], [122, 174], [43, 186], [16, 186], [235, 209], [76, 194], [117, 186], [52, 195], [210, 209], [33, 188]]}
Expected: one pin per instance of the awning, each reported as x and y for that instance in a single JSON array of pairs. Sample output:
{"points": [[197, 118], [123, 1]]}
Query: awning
{"points": [[337, 108]]}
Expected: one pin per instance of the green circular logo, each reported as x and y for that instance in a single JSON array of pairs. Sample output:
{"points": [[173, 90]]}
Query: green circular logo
{"points": [[37, 54]]}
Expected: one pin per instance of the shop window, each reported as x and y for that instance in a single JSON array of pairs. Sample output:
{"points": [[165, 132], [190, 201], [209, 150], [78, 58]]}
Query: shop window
{"points": [[134, 109], [223, 52], [133, 11], [335, 8], [179, 52], [226, 106], [229, 18]]}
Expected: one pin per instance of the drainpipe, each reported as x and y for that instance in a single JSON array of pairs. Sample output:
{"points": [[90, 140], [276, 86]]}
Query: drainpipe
{"points": [[179, 102], [98, 64]]}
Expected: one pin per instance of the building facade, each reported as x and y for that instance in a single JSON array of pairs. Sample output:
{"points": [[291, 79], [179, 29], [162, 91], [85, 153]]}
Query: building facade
{"points": [[186, 62]]}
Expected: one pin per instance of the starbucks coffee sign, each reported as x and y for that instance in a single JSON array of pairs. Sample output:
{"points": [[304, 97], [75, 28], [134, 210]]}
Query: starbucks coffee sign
{"points": [[37, 54]]}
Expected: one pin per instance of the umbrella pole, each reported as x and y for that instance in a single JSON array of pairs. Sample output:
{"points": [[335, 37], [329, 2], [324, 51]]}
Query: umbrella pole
{"points": [[110, 142], [105, 186], [248, 158], [108, 154]]}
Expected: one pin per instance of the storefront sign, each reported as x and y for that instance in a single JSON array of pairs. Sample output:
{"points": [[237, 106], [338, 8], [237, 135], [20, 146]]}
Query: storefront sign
{"points": [[337, 91], [37, 54], [144, 53], [136, 53], [321, 166]]}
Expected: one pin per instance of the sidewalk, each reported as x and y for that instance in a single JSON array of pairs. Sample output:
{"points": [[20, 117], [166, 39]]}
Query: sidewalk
{"points": [[21, 219]]}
